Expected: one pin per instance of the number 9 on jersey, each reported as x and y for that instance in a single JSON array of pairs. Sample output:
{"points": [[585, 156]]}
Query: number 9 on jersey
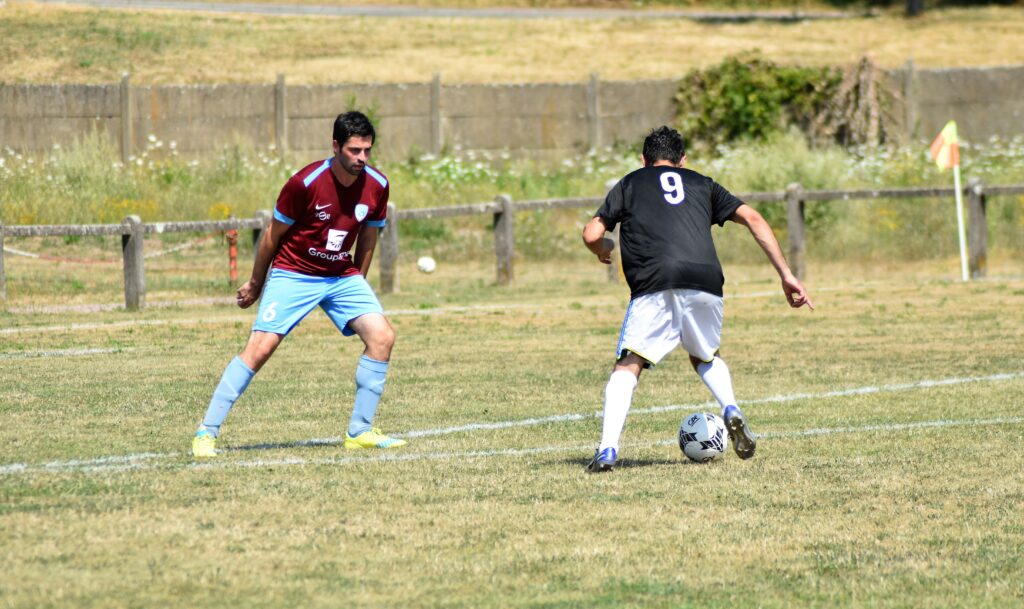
{"points": [[672, 184]]}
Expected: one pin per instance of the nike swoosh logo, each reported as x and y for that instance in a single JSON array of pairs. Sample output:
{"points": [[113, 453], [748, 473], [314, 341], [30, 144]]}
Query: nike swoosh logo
{"points": [[325, 206]]}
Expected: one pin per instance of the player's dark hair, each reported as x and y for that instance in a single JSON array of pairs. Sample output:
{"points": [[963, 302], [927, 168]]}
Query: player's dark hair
{"points": [[353, 123], [663, 144]]}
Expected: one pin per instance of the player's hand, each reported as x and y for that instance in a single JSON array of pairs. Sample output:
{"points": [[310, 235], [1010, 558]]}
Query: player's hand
{"points": [[795, 293], [607, 247], [248, 294]]}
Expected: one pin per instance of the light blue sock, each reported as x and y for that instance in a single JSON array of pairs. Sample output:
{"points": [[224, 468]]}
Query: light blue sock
{"points": [[232, 385], [370, 376]]}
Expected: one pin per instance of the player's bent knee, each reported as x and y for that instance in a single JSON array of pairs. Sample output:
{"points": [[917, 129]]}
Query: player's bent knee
{"points": [[384, 338], [380, 343], [258, 350]]}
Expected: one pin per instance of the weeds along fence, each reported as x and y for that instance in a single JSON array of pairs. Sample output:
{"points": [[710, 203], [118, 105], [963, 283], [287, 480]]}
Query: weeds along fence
{"points": [[503, 210]]}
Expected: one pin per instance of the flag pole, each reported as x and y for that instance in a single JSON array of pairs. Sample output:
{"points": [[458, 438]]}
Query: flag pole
{"points": [[945, 152], [960, 221]]}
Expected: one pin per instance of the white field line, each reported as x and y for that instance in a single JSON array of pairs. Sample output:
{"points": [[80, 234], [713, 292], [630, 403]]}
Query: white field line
{"points": [[231, 318], [673, 407], [137, 462], [61, 353], [23, 254], [114, 324], [145, 460], [114, 306]]}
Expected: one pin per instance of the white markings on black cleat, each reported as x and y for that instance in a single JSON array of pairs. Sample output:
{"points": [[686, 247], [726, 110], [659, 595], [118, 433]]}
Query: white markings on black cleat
{"points": [[744, 442]]}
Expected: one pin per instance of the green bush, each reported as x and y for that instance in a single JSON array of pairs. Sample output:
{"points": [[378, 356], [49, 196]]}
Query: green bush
{"points": [[749, 98], [774, 163]]}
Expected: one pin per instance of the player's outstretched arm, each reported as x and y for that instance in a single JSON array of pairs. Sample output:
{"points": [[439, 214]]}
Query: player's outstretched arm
{"points": [[596, 242], [265, 252], [795, 292]]}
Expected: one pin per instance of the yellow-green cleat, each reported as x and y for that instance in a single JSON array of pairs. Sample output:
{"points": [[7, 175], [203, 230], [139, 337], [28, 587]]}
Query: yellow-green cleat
{"points": [[204, 445], [372, 439]]}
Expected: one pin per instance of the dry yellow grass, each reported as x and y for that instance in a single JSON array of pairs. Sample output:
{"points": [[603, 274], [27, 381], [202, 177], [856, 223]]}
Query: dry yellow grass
{"points": [[884, 499], [42, 44]]}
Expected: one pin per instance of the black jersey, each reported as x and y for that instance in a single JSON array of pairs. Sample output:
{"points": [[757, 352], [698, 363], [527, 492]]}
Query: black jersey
{"points": [[666, 214]]}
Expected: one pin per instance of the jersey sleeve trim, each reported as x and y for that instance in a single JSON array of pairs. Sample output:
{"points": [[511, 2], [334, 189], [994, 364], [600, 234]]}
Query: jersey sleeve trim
{"points": [[376, 223], [373, 173], [316, 173], [283, 218]]}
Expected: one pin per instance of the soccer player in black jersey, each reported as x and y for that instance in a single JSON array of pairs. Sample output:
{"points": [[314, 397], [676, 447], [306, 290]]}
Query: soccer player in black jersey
{"points": [[665, 214]]}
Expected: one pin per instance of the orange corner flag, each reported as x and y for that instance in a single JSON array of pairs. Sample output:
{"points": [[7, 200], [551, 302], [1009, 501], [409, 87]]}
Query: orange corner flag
{"points": [[945, 149]]}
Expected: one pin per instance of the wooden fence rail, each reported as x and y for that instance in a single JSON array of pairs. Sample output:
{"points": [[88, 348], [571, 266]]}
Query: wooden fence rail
{"points": [[794, 196], [503, 210], [132, 232]]}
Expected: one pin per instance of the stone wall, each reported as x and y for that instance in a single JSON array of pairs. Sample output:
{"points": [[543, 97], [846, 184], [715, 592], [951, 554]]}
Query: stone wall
{"points": [[541, 119], [983, 102]]}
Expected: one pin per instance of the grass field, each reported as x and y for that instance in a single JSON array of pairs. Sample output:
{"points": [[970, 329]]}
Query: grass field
{"points": [[52, 44], [888, 473]]}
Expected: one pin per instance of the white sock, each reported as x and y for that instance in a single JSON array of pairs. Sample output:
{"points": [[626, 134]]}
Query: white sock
{"points": [[618, 395], [715, 375]]}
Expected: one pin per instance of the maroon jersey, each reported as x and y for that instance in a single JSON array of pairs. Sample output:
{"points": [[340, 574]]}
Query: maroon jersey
{"points": [[325, 218]]}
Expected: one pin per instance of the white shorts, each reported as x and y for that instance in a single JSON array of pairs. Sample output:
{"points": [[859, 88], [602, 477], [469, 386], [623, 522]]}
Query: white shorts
{"points": [[657, 323]]}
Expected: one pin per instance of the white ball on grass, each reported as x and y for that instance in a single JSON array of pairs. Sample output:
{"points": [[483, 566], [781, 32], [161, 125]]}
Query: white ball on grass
{"points": [[426, 264], [703, 437]]}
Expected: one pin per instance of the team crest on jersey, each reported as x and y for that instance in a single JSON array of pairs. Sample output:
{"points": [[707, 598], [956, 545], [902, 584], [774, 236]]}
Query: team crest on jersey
{"points": [[361, 210]]}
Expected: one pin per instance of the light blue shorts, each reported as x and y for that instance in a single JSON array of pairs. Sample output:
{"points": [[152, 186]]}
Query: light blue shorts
{"points": [[288, 297]]}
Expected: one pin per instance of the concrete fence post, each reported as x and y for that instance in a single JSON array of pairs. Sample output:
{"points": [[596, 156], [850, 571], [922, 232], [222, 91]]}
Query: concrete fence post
{"points": [[257, 233], [134, 272], [436, 130], [909, 110], [3, 273], [593, 113], [280, 117], [126, 118], [504, 239], [389, 252], [977, 229], [795, 220], [615, 268]]}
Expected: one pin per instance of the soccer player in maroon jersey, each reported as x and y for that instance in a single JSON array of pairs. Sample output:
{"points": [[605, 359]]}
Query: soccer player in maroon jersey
{"points": [[322, 212]]}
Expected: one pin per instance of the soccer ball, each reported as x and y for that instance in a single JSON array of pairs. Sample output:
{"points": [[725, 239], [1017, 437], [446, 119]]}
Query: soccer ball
{"points": [[426, 264], [702, 437]]}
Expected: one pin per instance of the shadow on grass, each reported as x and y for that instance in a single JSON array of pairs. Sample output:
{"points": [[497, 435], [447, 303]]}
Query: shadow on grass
{"points": [[629, 463], [279, 445]]}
